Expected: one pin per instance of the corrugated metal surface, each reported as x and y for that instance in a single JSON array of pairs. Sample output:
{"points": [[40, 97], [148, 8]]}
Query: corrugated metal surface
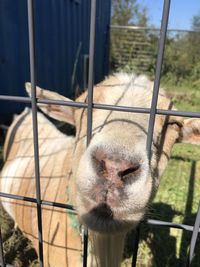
{"points": [[62, 40]]}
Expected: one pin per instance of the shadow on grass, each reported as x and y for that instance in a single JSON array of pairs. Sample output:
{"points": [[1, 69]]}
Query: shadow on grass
{"points": [[162, 241]]}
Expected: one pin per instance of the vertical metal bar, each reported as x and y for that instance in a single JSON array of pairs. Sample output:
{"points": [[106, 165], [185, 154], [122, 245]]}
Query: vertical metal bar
{"points": [[2, 262], [90, 100], [163, 32], [85, 71], [136, 245], [85, 246], [194, 238], [91, 70], [31, 31]]}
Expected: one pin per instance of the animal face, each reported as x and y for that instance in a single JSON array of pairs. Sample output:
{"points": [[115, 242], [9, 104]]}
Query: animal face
{"points": [[114, 179]]}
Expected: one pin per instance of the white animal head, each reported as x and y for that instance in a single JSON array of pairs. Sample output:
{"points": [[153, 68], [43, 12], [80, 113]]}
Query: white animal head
{"points": [[114, 179]]}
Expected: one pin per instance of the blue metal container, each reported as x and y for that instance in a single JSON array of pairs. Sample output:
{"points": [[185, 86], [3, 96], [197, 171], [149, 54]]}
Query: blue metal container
{"points": [[62, 47]]}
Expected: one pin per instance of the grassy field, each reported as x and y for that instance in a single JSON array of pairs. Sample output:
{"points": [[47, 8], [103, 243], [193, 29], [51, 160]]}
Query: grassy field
{"points": [[176, 201], [184, 97]]}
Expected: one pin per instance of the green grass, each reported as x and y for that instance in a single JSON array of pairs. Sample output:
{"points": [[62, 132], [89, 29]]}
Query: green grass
{"points": [[176, 201], [185, 98]]}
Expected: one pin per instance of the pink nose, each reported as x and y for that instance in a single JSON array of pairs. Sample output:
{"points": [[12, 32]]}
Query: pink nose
{"points": [[115, 169]]}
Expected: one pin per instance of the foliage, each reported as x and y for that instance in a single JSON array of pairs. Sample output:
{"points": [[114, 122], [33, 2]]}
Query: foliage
{"points": [[128, 12], [136, 50], [196, 23], [182, 56]]}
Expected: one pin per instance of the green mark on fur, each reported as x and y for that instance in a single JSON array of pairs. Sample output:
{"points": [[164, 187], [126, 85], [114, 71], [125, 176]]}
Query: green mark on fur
{"points": [[73, 217]]}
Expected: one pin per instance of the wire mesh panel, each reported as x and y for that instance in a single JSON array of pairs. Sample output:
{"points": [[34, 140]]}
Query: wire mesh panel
{"points": [[137, 46], [152, 111]]}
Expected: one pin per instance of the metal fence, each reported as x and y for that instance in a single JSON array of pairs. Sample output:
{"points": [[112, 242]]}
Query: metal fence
{"points": [[153, 111], [135, 47]]}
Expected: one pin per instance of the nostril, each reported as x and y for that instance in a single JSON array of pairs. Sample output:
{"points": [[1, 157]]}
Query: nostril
{"points": [[101, 166], [114, 167], [128, 171]]}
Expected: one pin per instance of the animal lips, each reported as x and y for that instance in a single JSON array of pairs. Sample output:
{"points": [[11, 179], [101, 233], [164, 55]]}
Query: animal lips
{"points": [[102, 211]]}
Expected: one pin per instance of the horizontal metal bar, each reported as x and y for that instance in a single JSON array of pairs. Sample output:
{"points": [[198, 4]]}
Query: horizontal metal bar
{"points": [[103, 106], [147, 110], [70, 207], [34, 200], [147, 28], [62, 103], [171, 225], [43, 101], [58, 205], [15, 98]]}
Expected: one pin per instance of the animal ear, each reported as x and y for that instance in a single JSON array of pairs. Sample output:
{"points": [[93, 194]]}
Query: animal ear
{"points": [[58, 112], [191, 131]]}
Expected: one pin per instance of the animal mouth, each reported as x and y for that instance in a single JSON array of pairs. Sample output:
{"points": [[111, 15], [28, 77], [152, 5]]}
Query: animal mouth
{"points": [[101, 218], [103, 212]]}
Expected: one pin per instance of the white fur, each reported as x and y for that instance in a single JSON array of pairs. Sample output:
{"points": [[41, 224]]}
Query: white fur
{"points": [[123, 134]]}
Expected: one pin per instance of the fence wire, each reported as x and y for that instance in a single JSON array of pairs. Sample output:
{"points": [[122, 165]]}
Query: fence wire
{"points": [[135, 47], [153, 111]]}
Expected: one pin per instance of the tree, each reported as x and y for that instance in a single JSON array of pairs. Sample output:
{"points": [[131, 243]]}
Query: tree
{"points": [[196, 23], [182, 56], [128, 12], [125, 50]]}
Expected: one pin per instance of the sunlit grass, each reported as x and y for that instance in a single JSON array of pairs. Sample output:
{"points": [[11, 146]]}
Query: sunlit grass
{"points": [[176, 201], [185, 97]]}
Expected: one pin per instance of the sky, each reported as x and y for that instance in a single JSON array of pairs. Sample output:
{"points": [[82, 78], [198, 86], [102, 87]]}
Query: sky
{"points": [[181, 12]]}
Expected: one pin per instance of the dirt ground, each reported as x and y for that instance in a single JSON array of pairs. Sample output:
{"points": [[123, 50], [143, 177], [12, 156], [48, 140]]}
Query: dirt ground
{"points": [[18, 250]]}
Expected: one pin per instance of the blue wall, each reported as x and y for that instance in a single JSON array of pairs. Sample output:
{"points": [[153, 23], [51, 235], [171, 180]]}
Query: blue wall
{"points": [[62, 37]]}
